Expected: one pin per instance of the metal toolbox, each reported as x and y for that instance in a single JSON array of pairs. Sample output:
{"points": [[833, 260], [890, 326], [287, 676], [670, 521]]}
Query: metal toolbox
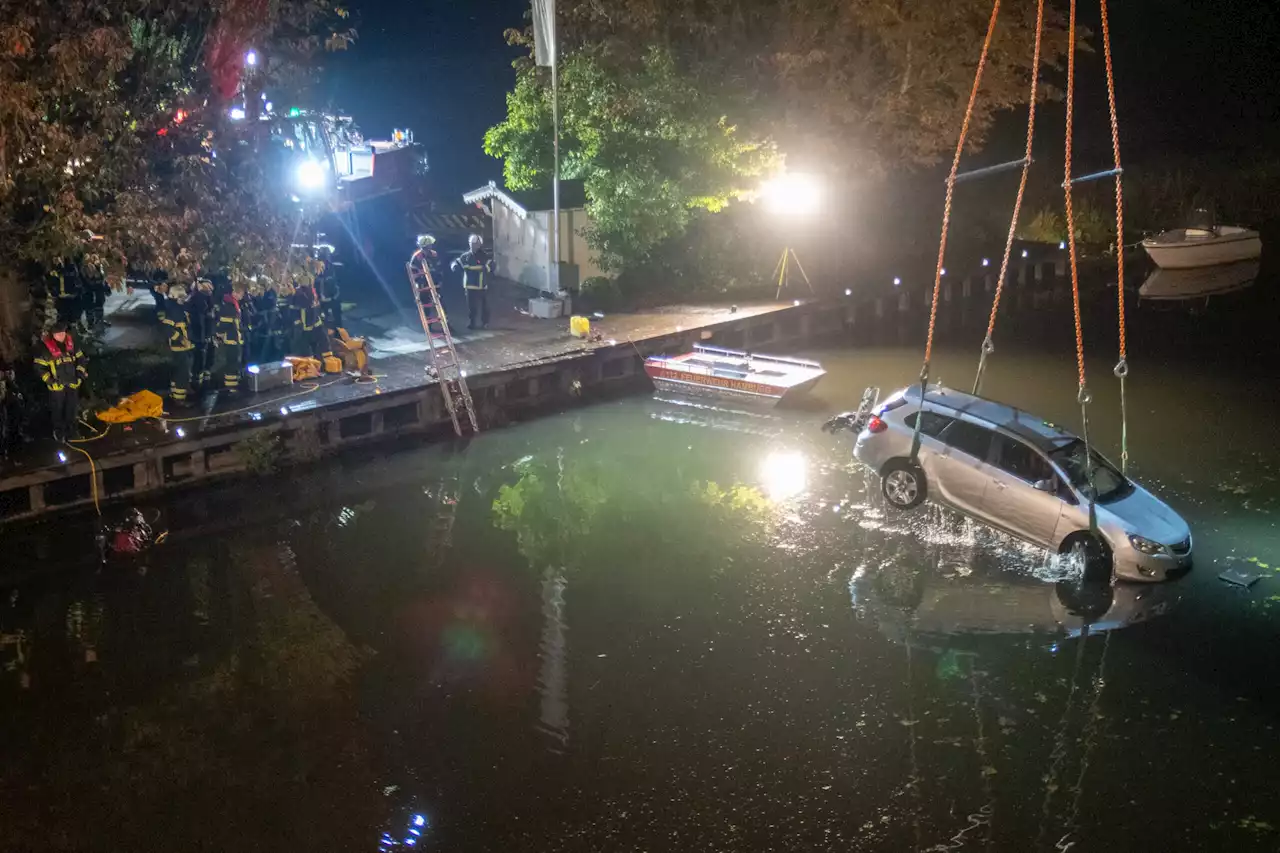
{"points": [[272, 374]]}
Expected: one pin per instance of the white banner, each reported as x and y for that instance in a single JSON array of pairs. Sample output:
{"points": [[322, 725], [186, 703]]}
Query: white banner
{"points": [[544, 32]]}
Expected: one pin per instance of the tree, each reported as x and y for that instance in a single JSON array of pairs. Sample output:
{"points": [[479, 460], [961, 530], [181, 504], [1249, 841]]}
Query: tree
{"points": [[650, 149], [114, 120], [669, 108]]}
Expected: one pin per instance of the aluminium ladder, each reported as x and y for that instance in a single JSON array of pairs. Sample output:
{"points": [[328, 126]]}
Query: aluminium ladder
{"points": [[444, 360]]}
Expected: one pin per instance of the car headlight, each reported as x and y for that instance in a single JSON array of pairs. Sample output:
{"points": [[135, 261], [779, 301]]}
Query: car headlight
{"points": [[1145, 546]]}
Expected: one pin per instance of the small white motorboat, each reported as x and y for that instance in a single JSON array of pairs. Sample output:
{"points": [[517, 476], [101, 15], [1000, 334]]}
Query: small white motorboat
{"points": [[1203, 244], [761, 380]]}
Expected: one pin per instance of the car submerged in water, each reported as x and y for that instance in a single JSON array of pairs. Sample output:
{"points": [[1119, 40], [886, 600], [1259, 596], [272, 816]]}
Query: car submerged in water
{"points": [[1019, 474]]}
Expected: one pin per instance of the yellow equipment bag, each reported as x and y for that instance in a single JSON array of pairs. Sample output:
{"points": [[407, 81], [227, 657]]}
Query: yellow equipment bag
{"points": [[579, 327], [352, 351], [332, 364], [135, 407], [304, 368]]}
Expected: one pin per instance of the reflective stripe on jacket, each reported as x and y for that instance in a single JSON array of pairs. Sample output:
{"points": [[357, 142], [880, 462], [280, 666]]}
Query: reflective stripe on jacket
{"points": [[61, 366], [230, 331], [474, 266], [176, 318]]}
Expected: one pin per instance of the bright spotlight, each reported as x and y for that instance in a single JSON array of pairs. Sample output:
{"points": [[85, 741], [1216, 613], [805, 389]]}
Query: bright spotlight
{"points": [[848, 292], [896, 281], [792, 194], [310, 174], [251, 58], [784, 475], [237, 114]]}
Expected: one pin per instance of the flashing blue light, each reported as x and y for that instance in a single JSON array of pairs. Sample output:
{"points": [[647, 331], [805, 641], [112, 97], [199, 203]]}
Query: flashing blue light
{"points": [[182, 433], [254, 369], [419, 820], [62, 457], [1062, 245], [1054, 648], [986, 263], [284, 410], [415, 832], [1024, 253], [896, 281]]}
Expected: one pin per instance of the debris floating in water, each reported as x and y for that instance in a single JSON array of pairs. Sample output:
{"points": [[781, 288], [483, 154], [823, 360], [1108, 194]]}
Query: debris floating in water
{"points": [[1240, 577]]}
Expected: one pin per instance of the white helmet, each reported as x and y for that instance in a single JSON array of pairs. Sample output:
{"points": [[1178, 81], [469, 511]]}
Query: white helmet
{"points": [[178, 293], [425, 240], [475, 241]]}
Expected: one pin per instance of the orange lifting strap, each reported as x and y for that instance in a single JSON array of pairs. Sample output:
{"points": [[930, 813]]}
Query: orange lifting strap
{"points": [[1121, 369]]}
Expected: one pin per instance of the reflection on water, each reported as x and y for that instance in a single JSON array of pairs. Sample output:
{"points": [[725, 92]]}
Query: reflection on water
{"points": [[1200, 282], [376, 655]]}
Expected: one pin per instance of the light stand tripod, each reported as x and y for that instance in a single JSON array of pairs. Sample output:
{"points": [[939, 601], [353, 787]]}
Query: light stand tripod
{"points": [[783, 270]]}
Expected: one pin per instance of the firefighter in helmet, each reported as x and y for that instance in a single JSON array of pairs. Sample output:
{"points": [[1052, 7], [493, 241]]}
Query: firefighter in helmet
{"points": [[476, 266], [182, 348]]}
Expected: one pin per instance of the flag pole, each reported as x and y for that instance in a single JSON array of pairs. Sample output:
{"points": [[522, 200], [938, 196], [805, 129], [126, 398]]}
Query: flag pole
{"points": [[555, 145]]}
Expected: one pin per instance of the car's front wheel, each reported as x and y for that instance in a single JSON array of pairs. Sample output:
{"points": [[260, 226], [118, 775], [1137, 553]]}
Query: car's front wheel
{"points": [[903, 484], [1094, 552]]}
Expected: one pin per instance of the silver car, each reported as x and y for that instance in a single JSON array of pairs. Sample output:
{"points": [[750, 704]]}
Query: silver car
{"points": [[1024, 476]]}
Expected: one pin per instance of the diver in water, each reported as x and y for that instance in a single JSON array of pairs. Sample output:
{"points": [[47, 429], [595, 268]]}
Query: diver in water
{"points": [[131, 537]]}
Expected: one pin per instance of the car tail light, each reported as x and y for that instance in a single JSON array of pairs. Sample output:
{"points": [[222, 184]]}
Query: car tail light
{"points": [[875, 425]]}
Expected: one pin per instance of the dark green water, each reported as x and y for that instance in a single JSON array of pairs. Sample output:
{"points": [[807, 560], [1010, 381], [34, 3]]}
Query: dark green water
{"points": [[647, 626]]}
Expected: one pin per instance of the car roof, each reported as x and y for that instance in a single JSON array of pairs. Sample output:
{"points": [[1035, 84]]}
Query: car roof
{"points": [[1034, 430]]}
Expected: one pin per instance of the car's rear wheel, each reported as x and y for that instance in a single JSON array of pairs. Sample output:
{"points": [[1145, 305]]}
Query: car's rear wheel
{"points": [[1097, 558], [903, 484]]}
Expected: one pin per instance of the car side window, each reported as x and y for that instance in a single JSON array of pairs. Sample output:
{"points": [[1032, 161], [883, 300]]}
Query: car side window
{"points": [[969, 438], [1018, 459], [931, 424]]}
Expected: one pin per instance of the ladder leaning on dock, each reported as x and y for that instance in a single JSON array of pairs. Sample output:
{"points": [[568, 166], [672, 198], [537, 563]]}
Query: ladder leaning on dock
{"points": [[444, 360]]}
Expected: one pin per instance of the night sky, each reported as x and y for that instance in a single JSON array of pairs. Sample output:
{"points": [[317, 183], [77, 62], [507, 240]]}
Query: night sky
{"points": [[1195, 78]]}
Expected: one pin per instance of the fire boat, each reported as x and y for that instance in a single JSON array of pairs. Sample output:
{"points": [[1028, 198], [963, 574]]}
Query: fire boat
{"points": [[759, 380]]}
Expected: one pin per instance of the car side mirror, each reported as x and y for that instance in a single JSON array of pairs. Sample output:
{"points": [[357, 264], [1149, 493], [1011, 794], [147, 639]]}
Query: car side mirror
{"points": [[1046, 486]]}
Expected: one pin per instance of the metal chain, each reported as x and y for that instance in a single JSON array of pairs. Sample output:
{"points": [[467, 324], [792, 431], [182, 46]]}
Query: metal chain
{"points": [[1082, 395], [946, 219], [988, 345], [1122, 365]]}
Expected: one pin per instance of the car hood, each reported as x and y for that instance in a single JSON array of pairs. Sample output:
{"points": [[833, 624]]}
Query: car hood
{"points": [[1146, 515]]}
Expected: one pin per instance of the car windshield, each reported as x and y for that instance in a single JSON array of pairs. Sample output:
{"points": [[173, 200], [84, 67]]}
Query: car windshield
{"points": [[1110, 483]]}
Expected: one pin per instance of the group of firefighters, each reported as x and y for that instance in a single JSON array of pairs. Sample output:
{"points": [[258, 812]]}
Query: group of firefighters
{"points": [[215, 331]]}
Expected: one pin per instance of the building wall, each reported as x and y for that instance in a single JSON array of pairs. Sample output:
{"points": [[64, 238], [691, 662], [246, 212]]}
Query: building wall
{"points": [[522, 248]]}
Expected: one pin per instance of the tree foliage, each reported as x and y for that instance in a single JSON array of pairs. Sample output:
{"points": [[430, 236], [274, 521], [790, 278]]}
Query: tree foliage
{"points": [[114, 119], [650, 149], [670, 107]]}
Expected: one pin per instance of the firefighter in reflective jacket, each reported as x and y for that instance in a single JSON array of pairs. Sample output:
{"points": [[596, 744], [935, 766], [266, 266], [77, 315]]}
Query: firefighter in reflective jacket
{"points": [[475, 265], [60, 364], [177, 321], [312, 339], [329, 291], [230, 341], [202, 315], [64, 283]]}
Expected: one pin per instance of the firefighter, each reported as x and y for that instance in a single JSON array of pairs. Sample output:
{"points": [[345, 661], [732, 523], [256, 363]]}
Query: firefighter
{"points": [[312, 339], [251, 316], [11, 409], [426, 261], [274, 332], [475, 265], [329, 290], [230, 341], [285, 329], [177, 321], [202, 315], [61, 366], [64, 283], [95, 289]]}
